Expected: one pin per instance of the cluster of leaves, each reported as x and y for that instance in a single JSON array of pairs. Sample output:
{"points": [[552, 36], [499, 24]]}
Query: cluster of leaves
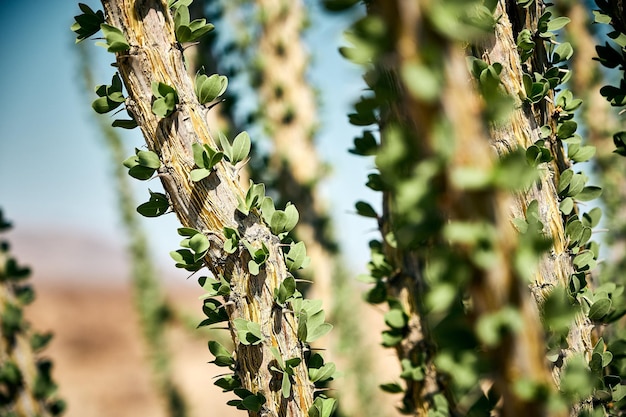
{"points": [[613, 55], [187, 30], [13, 326]]}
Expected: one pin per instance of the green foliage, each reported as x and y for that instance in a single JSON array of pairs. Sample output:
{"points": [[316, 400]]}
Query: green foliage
{"points": [[286, 368], [322, 407], [237, 151], [110, 96], [88, 23], [115, 39], [259, 256], [187, 30], [214, 287], [142, 165], [280, 222], [208, 88], [320, 372], [223, 357], [248, 400], [248, 332], [157, 205], [253, 199], [215, 312], [285, 291], [311, 325], [232, 240], [205, 158], [165, 99], [296, 257]]}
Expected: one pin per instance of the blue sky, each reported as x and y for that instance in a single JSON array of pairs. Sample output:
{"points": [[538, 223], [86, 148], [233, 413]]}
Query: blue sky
{"points": [[54, 168]]}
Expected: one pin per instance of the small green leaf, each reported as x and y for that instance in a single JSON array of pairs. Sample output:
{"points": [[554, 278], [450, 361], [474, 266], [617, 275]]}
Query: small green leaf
{"points": [[563, 52], [392, 388], [285, 291], [223, 357], [115, 40], [589, 193], [365, 210], [88, 23], [296, 257], [240, 148], [209, 88], [567, 205], [600, 309], [156, 206], [558, 23], [199, 243], [199, 174]]}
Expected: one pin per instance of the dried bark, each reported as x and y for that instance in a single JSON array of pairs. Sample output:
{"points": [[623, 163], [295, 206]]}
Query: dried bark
{"points": [[522, 130], [209, 205], [522, 354]]}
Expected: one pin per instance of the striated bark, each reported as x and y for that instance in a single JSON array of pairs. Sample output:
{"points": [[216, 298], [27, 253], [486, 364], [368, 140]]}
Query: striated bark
{"points": [[521, 130], [522, 353], [209, 205]]}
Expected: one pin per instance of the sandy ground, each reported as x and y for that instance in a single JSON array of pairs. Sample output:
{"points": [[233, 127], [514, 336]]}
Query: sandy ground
{"points": [[100, 360]]}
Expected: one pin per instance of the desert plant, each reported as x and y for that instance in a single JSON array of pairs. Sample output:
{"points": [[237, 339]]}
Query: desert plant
{"points": [[485, 259], [26, 385]]}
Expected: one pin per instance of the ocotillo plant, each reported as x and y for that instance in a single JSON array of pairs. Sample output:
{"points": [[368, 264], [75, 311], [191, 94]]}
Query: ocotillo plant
{"points": [[448, 265], [235, 233], [485, 257], [26, 385]]}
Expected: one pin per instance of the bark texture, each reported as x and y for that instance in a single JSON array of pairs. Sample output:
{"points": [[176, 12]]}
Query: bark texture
{"points": [[522, 130], [209, 205], [522, 353]]}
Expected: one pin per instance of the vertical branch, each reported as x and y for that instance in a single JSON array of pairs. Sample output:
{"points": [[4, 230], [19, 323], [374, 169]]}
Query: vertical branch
{"points": [[209, 206]]}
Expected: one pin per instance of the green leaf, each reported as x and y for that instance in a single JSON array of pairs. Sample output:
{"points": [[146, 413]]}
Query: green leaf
{"points": [[296, 257], [563, 52], [88, 23], [392, 388], [115, 39], [185, 259], [199, 174], [223, 357], [396, 318], [322, 407], [567, 205], [156, 206], [589, 193], [240, 148], [567, 129], [148, 159], [228, 383], [253, 402], [209, 88], [583, 260], [365, 210], [600, 309], [558, 23], [318, 370], [214, 311], [125, 124], [199, 243], [593, 217], [248, 332], [285, 291]]}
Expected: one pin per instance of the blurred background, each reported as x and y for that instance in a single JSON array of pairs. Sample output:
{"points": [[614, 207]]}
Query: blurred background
{"points": [[58, 186]]}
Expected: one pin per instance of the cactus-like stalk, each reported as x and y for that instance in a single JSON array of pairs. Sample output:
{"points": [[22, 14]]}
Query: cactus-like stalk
{"points": [[210, 205]]}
